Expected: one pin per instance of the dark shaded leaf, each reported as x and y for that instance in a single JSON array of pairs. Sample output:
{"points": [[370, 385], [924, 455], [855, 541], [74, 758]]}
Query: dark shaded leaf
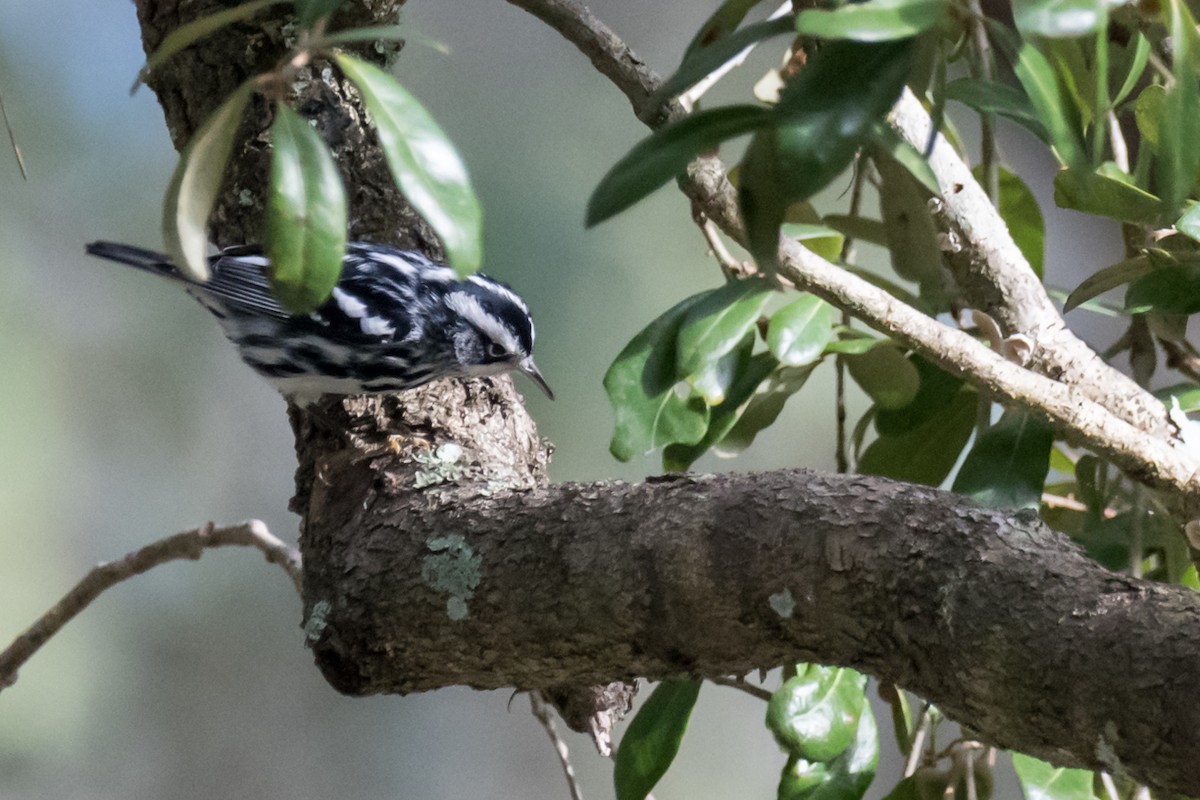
{"points": [[306, 214], [666, 153], [652, 739], [938, 391], [1019, 209], [642, 387], [309, 11], [1170, 290], [872, 20], [1137, 65], [824, 115], [192, 192], [1007, 466], [913, 245], [890, 141], [424, 163], [1118, 274], [886, 376], [906, 789], [799, 331], [720, 320], [1042, 781], [991, 97], [763, 408], [703, 61], [927, 453]]}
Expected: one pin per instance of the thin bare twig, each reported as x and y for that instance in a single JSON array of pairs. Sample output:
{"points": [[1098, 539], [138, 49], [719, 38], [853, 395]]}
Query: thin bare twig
{"points": [[12, 140], [748, 688], [186, 545], [541, 712], [914, 755]]}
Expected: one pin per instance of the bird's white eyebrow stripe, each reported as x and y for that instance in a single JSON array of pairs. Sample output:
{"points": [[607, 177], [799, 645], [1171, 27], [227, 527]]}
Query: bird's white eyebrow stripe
{"points": [[500, 289], [473, 312]]}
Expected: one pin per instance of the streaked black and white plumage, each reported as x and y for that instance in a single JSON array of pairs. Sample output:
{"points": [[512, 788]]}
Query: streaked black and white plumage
{"points": [[396, 320]]}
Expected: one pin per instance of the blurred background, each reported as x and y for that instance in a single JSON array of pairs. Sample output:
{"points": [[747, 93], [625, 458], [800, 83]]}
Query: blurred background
{"points": [[124, 416]]}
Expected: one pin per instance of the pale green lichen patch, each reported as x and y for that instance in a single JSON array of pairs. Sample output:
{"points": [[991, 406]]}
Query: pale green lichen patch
{"points": [[443, 465], [782, 603], [318, 618], [454, 568]]}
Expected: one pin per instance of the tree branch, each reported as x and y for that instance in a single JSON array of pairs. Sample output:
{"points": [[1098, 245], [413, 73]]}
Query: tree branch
{"points": [[187, 545]]}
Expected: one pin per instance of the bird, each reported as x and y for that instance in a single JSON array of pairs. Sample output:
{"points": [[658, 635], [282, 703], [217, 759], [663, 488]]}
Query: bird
{"points": [[395, 320]]}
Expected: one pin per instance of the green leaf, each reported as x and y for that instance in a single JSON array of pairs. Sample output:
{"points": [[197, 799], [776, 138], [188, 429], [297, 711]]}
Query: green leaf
{"points": [[703, 61], [906, 789], [1118, 274], [1148, 112], [1137, 65], [1189, 223], [751, 371], [799, 331], [912, 234], [652, 739], [713, 381], [927, 453], [306, 214], [1041, 781], [858, 228], [872, 20], [886, 376], [938, 391], [991, 97], [846, 777], [1104, 194], [1019, 210], [1178, 157], [815, 714], [1170, 290], [1059, 19], [1007, 466], [909, 157], [763, 408], [1186, 394], [642, 387], [720, 24], [852, 342], [666, 153], [823, 116], [186, 35], [427, 168], [309, 11], [1041, 85], [192, 191], [720, 320]]}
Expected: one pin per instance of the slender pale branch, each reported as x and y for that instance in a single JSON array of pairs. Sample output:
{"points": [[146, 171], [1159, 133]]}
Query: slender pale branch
{"points": [[541, 712], [186, 545]]}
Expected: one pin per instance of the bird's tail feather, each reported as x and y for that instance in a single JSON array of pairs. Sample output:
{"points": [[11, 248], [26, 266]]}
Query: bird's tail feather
{"points": [[148, 260]]}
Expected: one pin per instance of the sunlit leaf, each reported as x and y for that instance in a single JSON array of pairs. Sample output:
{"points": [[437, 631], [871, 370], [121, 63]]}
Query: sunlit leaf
{"points": [[799, 331], [885, 375], [845, 777], [1103, 194], [814, 715], [1186, 394], [714, 325], [666, 153], [872, 20], [1007, 466], [424, 163], [823, 116], [763, 408], [703, 61], [1042, 781], [186, 35], [1059, 18], [642, 387], [1118, 274], [306, 214], [192, 191], [652, 739], [992, 97], [1041, 86]]}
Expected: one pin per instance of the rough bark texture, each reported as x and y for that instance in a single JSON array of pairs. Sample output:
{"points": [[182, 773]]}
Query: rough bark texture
{"points": [[435, 554]]}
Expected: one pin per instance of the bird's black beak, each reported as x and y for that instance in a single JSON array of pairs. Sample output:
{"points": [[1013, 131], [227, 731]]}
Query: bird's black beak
{"points": [[529, 368]]}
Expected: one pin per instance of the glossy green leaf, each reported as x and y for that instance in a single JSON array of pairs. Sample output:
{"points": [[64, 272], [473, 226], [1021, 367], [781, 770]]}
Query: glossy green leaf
{"points": [[703, 61], [424, 163], [872, 20], [1170, 290], [715, 325], [1137, 65], [306, 214], [1118, 274], [752, 370], [928, 452], [1178, 157], [192, 191], [1019, 210], [938, 391], [720, 23], [823, 116], [642, 386], [652, 739], [713, 381], [309, 11], [1007, 466], [1186, 394], [666, 153], [907, 156], [1042, 781], [845, 777], [886, 376], [799, 331], [1059, 19], [815, 714], [186, 35], [1106, 196], [763, 408], [992, 97], [825, 242], [1038, 78]]}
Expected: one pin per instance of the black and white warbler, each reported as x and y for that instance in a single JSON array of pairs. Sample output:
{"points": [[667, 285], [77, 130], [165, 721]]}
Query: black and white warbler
{"points": [[396, 320]]}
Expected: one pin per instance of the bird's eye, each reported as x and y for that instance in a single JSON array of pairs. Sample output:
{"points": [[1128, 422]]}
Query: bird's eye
{"points": [[496, 350]]}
